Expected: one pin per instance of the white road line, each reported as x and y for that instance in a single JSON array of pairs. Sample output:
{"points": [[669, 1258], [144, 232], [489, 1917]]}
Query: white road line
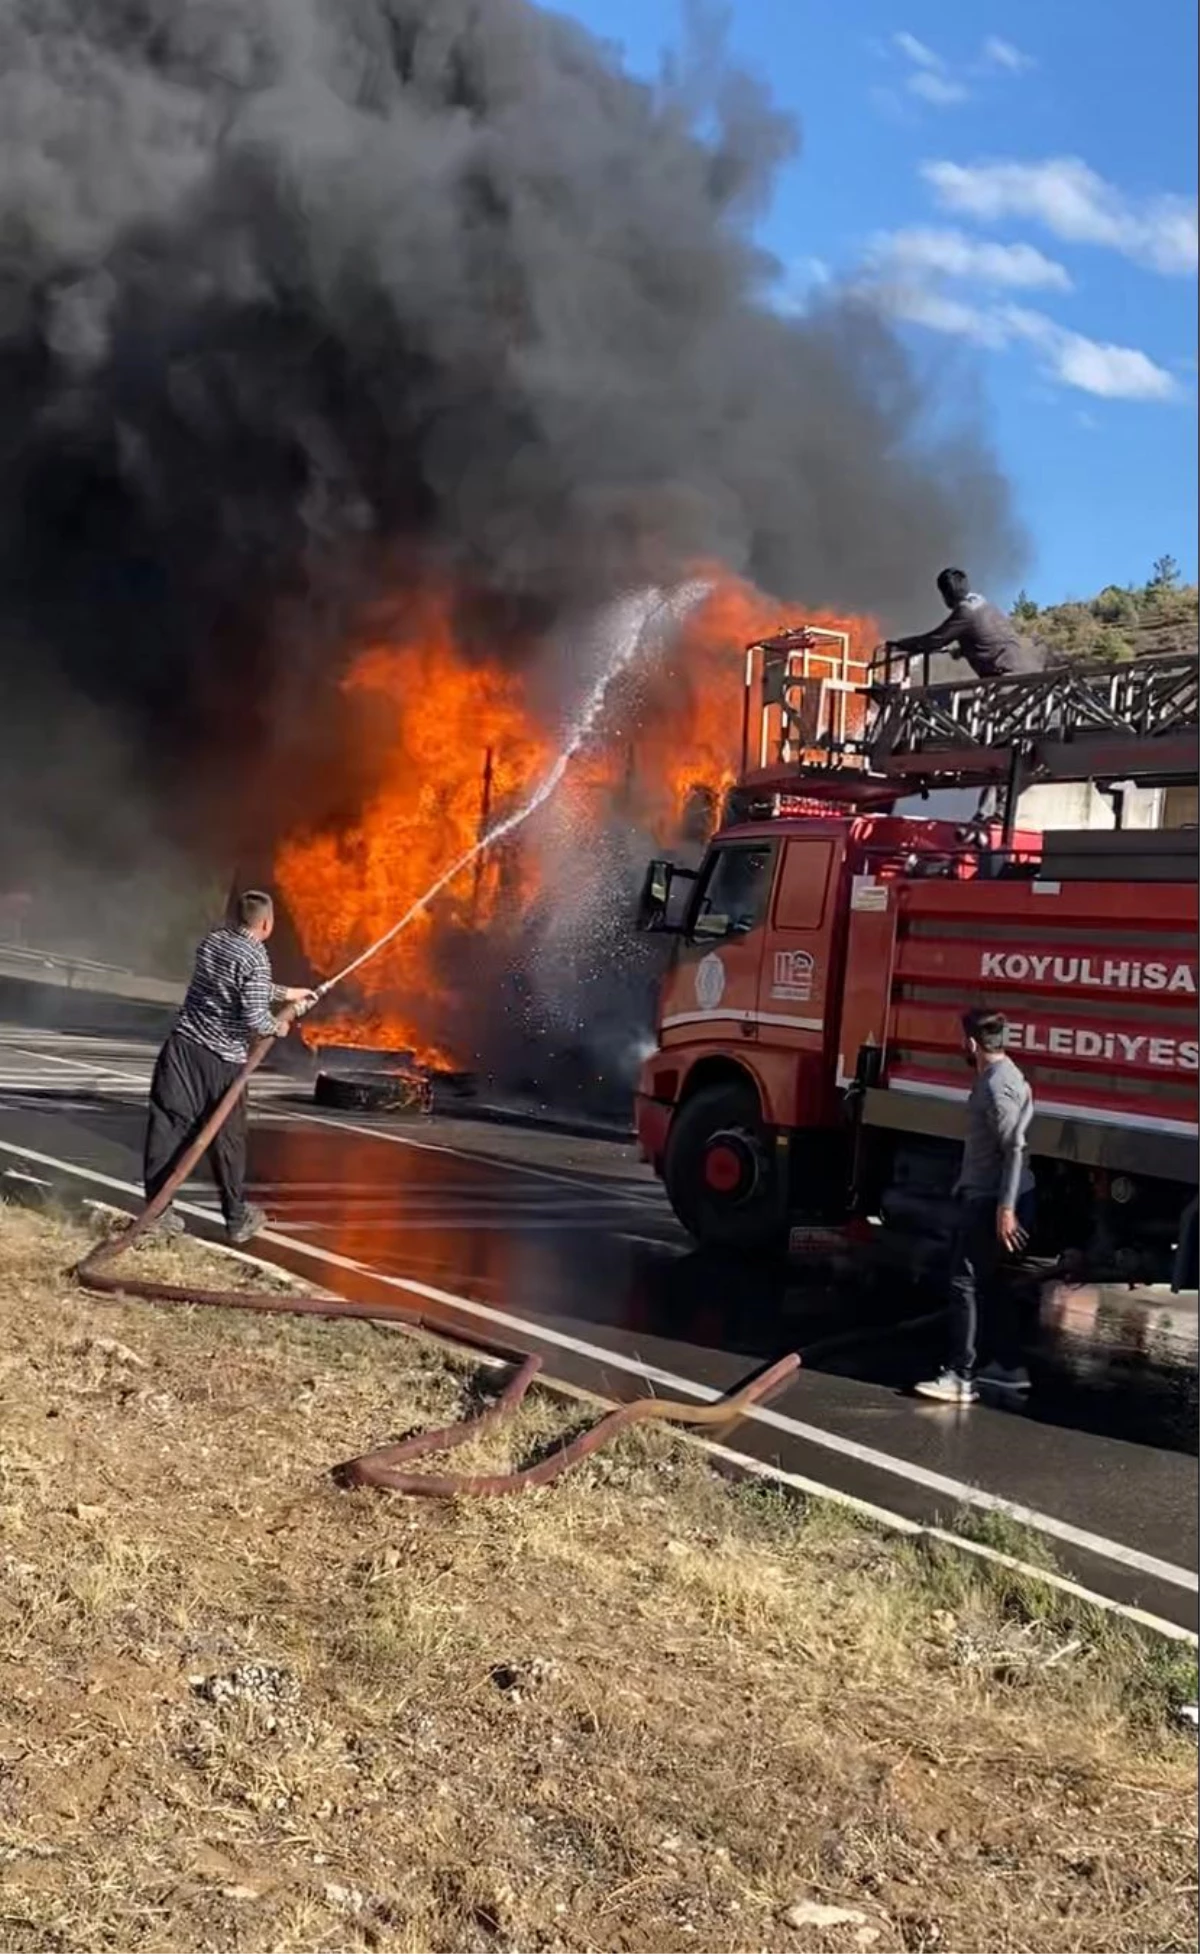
{"points": [[15, 1034], [848, 1448], [380, 1192], [516, 1222], [38, 1074], [62, 1092], [62, 1095], [639, 1191], [485, 1201], [899, 1523], [108, 1074], [81, 1065]]}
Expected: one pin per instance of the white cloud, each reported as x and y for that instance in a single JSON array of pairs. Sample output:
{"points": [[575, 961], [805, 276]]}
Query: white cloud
{"points": [[916, 51], [929, 77], [938, 311], [1093, 366], [921, 253], [1112, 372], [942, 90], [1002, 54], [1090, 366], [1074, 203]]}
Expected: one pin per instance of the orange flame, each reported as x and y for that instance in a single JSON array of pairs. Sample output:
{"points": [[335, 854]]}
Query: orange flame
{"points": [[445, 721]]}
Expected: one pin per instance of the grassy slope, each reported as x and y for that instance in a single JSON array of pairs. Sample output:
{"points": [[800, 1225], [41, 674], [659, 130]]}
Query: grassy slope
{"points": [[642, 1710], [1122, 622]]}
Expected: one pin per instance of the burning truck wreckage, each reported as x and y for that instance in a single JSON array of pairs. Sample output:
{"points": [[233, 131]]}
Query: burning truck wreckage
{"points": [[406, 434], [522, 976]]}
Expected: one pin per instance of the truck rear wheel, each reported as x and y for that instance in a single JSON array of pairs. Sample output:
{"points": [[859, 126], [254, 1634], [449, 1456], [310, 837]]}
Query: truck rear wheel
{"points": [[720, 1173]]}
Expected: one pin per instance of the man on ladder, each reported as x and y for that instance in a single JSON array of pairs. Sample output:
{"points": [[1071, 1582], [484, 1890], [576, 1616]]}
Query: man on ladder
{"points": [[975, 630]]}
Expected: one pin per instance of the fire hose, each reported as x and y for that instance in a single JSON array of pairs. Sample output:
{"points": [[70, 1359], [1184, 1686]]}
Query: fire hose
{"points": [[381, 1468]]}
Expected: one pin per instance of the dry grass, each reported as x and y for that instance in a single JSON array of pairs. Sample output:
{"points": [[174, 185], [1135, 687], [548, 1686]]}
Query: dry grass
{"points": [[641, 1710]]}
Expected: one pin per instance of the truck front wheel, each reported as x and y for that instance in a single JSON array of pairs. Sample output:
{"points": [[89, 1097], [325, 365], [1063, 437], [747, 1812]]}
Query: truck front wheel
{"points": [[720, 1173]]}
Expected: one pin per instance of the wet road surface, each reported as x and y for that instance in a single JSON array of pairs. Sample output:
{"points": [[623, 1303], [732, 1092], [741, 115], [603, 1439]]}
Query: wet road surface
{"points": [[567, 1246]]}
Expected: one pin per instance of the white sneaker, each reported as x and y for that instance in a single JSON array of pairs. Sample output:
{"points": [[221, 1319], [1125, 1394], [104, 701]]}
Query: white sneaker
{"points": [[949, 1388], [998, 1377]]}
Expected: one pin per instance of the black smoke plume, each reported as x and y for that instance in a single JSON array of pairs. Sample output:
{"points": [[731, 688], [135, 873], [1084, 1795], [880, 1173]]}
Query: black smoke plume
{"points": [[298, 297]]}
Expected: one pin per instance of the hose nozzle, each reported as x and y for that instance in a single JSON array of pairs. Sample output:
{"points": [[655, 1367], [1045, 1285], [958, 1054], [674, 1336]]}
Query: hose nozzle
{"points": [[299, 1011]]}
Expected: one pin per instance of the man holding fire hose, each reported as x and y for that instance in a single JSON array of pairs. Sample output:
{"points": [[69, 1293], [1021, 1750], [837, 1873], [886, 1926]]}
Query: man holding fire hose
{"points": [[226, 1010]]}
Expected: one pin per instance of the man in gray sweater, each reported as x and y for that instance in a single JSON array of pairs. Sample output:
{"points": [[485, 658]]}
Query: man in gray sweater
{"points": [[975, 630], [994, 1192]]}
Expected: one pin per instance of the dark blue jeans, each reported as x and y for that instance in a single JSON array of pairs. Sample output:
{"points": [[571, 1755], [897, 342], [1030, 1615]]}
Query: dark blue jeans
{"points": [[983, 1316]]}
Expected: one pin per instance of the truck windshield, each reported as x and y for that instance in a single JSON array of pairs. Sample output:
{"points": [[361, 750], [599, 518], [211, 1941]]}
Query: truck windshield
{"points": [[734, 890]]}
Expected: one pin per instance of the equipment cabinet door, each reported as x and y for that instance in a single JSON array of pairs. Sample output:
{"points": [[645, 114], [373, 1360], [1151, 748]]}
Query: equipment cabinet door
{"points": [[716, 974], [796, 981]]}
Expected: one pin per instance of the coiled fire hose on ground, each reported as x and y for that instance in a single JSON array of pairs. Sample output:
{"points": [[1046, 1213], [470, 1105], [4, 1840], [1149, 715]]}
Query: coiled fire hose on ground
{"points": [[382, 1468]]}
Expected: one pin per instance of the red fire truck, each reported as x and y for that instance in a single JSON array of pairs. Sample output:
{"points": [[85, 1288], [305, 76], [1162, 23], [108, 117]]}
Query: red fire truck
{"points": [[808, 1084]]}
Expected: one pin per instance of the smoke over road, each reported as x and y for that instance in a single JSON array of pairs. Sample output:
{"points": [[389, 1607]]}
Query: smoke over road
{"points": [[300, 298]]}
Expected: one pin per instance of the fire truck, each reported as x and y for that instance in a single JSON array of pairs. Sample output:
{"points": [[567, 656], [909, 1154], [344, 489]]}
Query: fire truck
{"points": [[871, 881]]}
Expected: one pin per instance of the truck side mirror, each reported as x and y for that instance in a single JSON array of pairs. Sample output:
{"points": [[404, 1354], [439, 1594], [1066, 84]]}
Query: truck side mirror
{"points": [[652, 903], [659, 910]]}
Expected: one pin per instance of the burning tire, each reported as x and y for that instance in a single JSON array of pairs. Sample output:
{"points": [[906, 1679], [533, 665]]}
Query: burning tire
{"points": [[719, 1171], [374, 1092]]}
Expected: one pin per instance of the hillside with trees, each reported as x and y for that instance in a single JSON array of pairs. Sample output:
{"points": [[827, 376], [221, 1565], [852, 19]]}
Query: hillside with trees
{"points": [[1123, 621]]}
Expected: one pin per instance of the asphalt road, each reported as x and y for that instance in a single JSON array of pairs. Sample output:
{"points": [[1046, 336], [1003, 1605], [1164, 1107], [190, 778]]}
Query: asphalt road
{"points": [[566, 1246]]}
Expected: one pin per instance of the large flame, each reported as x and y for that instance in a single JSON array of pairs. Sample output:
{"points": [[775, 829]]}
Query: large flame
{"points": [[463, 747]]}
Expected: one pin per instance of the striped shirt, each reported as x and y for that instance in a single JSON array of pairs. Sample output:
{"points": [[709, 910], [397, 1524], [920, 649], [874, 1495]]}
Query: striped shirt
{"points": [[228, 1002]]}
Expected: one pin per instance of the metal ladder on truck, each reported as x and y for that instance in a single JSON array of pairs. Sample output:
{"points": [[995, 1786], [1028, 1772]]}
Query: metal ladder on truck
{"points": [[847, 736]]}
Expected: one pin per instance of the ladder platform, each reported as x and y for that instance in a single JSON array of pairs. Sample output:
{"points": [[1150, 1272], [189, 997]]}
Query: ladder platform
{"points": [[824, 718], [1137, 720]]}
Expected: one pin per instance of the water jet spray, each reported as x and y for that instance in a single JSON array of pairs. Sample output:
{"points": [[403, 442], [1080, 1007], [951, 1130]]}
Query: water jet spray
{"points": [[660, 608]]}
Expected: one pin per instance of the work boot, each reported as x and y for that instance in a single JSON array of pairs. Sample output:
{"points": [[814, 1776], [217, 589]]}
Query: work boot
{"points": [[245, 1225], [950, 1387]]}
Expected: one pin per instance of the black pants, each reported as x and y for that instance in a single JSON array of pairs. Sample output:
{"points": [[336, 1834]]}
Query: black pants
{"points": [[983, 1314], [187, 1084]]}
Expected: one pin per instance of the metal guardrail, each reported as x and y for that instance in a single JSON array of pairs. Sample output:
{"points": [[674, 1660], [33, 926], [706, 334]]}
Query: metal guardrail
{"points": [[19, 963], [59, 959]]}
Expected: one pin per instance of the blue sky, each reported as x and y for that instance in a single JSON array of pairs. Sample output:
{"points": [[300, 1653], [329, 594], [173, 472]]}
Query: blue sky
{"points": [[1015, 185]]}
